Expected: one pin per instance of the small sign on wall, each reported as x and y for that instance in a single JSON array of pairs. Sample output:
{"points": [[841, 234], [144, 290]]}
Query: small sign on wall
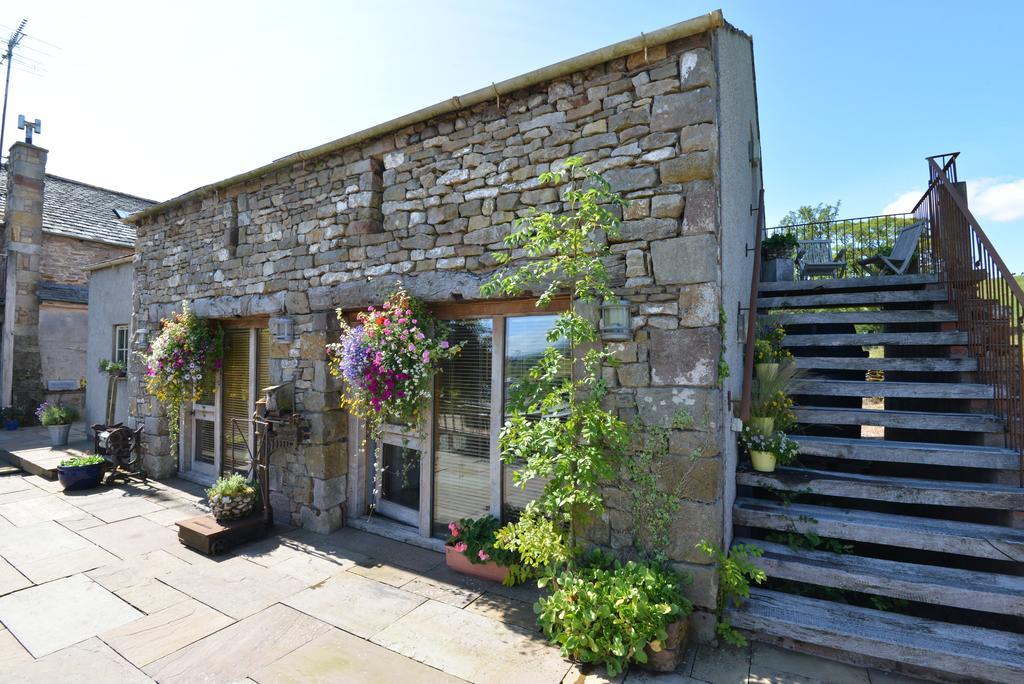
{"points": [[63, 385]]}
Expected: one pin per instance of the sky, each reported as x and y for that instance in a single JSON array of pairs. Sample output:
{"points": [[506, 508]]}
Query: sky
{"points": [[156, 99]]}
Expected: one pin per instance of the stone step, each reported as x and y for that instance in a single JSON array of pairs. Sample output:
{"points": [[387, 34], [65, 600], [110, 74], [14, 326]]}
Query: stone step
{"points": [[910, 420], [917, 339], [865, 316], [916, 364], [860, 388], [902, 490], [984, 591], [958, 651], [924, 453], [835, 284], [904, 531], [852, 299]]}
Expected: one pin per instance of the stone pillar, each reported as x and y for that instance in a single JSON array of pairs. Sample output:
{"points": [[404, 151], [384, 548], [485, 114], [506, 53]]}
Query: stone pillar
{"points": [[22, 370]]}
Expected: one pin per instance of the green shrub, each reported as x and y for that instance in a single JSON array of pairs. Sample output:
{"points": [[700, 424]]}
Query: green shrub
{"points": [[232, 486], [735, 573], [540, 545], [79, 461], [607, 613], [112, 367], [56, 414]]}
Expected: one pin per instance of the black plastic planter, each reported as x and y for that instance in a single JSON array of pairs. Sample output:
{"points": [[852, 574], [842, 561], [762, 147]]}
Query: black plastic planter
{"points": [[80, 477]]}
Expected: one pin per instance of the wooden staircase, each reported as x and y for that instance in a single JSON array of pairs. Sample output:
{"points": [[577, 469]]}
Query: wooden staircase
{"points": [[891, 541]]}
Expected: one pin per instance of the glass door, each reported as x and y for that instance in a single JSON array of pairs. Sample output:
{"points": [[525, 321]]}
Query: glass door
{"points": [[203, 438], [399, 461]]}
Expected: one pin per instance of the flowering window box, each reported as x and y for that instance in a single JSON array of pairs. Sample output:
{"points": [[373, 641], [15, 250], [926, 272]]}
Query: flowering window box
{"points": [[457, 561]]}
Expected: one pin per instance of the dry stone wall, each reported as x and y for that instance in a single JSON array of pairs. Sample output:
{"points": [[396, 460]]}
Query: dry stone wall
{"points": [[430, 204]]}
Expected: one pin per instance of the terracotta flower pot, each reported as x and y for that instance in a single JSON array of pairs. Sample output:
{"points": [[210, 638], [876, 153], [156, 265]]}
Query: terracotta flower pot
{"points": [[762, 425], [764, 461], [458, 562], [670, 653]]}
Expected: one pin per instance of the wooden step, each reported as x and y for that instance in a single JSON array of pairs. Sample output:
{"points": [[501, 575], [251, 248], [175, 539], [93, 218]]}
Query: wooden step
{"points": [[860, 388], [909, 420], [832, 284], [916, 364], [852, 299], [917, 339], [902, 490], [968, 653], [927, 534], [984, 591], [865, 316], [955, 455]]}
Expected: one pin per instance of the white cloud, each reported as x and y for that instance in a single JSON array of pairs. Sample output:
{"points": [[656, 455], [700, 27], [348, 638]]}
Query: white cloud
{"points": [[996, 199], [990, 199], [904, 203]]}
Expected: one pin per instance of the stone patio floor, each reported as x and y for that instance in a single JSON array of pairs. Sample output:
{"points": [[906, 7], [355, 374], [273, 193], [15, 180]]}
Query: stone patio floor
{"points": [[94, 587]]}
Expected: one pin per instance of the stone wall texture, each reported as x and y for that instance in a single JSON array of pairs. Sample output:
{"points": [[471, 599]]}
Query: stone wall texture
{"points": [[430, 204], [64, 259]]}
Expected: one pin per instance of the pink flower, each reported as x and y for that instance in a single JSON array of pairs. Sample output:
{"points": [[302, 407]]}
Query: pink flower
{"points": [[426, 356], [412, 347], [461, 547], [444, 344], [482, 556], [453, 527]]}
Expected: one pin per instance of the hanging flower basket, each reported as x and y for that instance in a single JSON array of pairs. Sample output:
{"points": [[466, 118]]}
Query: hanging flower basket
{"points": [[388, 360], [181, 362]]}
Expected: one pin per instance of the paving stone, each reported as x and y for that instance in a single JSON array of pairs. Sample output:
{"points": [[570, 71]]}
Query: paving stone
{"points": [[384, 572], [504, 609], [12, 653], [589, 674], [38, 509], [169, 516], [11, 579], [340, 657], [723, 665], [133, 579], [766, 662], [452, 594], [245, 647], [472, 646], [161, 633], [385, 550], [46, 551], [131, 537], [22, 494], [356, 604], [48, 617], [310, 569], [83, 522], [13, 483], [235, 587], [87, 662], [638, 676], [117, 507]]}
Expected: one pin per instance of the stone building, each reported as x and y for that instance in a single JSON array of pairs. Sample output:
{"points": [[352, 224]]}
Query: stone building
{"points": [[54, 228], [669, 118]]}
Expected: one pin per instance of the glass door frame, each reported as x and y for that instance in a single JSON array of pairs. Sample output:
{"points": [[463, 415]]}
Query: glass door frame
{"points": [[360, 482]]}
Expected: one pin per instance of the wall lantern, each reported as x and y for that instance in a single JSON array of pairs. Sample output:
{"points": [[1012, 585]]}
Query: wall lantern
{"points": [[282, 329], [616, 323], [141, 338]]}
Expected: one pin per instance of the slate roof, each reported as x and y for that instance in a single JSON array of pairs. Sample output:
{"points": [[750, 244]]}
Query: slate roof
{"points": [[83, 211], [59, 292]]}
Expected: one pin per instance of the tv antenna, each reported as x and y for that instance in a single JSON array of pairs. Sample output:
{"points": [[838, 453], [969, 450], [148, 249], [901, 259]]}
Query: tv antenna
{"points": [[8, 56]]}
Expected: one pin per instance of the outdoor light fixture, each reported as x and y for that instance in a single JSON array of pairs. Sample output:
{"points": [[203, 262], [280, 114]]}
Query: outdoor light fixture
{"points": [[282, 329], [616, 323], [141, 338]]}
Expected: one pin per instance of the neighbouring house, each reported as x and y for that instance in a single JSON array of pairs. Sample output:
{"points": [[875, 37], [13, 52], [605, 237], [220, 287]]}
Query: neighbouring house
{"points": [[109, 339], [54, 229], [670, 119]]}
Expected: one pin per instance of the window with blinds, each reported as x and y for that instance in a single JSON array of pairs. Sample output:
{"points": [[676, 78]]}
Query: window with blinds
{"points": [[262, 359], [462, 426], [235, 400], [525, 342]]}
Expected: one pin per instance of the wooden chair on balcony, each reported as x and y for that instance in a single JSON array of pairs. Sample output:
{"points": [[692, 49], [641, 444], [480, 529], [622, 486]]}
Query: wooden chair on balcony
{"points": [[814, 258], [902, 254]]}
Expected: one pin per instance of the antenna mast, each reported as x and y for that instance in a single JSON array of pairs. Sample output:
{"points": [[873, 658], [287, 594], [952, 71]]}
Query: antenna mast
{"points": [[12, 43]]}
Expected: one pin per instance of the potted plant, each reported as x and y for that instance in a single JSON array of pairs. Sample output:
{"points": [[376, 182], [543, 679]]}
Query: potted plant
{"points": [[81, 472], [470, 549], [777, 253], [231, 497], [768, 350], [613, 613], [114, 369], [768, 451], [11, 417], [58, 419]]}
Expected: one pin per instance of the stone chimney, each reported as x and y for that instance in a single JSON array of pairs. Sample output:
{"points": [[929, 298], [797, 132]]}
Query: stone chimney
{"points": [[22, 381]]}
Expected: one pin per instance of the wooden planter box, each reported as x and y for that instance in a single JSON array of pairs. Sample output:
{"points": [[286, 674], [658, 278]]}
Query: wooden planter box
{"points": [[671, 653], [488, 571]]}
